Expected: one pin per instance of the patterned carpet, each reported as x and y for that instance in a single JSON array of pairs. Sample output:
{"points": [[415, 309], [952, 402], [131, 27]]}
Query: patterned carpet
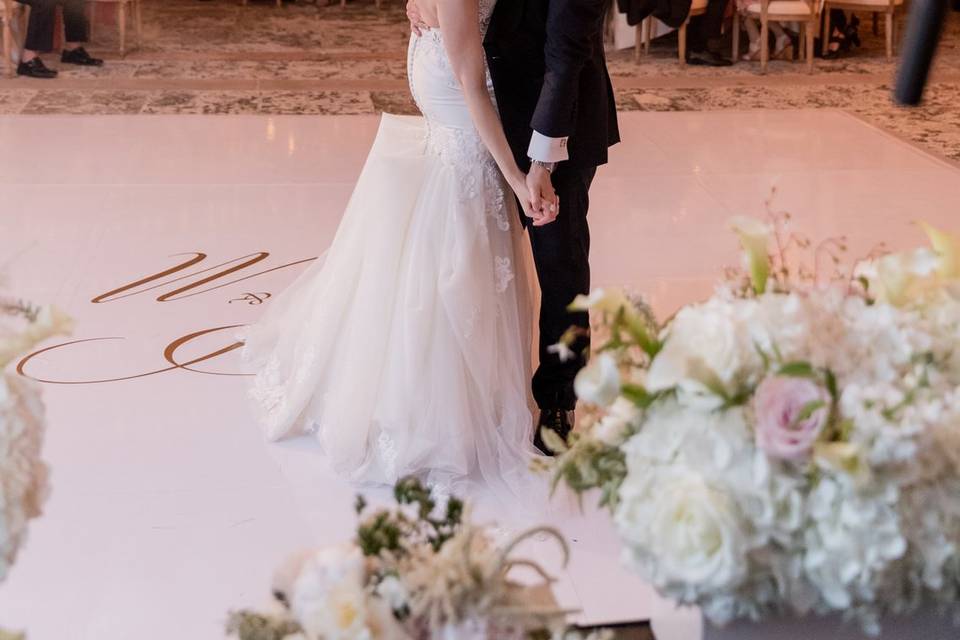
{"points": [[218, 57]]}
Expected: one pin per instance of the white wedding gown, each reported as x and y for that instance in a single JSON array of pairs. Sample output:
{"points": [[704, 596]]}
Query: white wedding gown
{"points": [[407, 349]]}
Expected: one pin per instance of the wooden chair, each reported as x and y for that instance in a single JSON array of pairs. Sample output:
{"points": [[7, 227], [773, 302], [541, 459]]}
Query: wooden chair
{"points": [[279, 3], [645, 32], [644, 36], [887, 7], [343, 3], [805, 12], [9, 12], [133, 8]]}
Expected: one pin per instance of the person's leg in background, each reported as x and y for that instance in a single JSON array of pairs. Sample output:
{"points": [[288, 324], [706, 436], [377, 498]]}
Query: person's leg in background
{"points": [[783, 47], [39, 39], [704, 36], [77, 29]]}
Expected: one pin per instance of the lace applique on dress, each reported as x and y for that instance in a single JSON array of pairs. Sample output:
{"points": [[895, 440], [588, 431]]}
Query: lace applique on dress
{"points": [[269, 393], [471, 324], [387, 449], [504, 273]]}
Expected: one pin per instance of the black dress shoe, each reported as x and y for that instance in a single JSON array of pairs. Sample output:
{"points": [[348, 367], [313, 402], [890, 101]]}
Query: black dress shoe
{"points": [[35, 69], [707, 59], [81, 57], [559, 421]]}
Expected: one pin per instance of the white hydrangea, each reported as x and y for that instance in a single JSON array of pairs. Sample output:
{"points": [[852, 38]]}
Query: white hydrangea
{"points": [[23, 475]]}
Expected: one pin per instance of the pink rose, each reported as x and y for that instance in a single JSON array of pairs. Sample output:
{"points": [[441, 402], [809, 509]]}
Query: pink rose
{"points": [[790, 414]]}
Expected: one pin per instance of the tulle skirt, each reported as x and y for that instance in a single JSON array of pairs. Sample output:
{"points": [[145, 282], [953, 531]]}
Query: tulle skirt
{"points": [[405, 350]]}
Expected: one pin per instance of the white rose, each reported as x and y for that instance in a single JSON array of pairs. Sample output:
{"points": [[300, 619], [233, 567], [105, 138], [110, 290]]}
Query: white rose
{"points": [[702, 354], [328, 599], [622, 417], [680, 533], [599, 382]]}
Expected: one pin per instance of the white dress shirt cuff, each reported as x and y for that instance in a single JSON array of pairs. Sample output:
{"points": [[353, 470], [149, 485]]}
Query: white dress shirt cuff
{"points": [[547, 149]]}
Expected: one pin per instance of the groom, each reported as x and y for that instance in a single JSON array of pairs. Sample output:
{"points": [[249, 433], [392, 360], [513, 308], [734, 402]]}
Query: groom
{"points": [[558, 110]]}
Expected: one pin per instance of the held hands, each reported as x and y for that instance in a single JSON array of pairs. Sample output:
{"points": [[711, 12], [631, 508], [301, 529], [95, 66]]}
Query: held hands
{"points": [[536, 195], [544, 202]]}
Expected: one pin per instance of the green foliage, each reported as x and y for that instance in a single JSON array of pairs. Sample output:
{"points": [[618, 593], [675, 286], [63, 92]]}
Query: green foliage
{"points": [[798, 370], [389, 530], [589, 464]]}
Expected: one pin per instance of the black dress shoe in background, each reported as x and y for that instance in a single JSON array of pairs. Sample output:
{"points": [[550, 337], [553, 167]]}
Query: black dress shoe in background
{"points": [[707, 59], [35, 69], [559, 421], [81, 57]]}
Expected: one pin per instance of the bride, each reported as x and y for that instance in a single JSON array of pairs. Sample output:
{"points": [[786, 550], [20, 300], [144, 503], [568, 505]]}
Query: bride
{"points": [[406, 350]]}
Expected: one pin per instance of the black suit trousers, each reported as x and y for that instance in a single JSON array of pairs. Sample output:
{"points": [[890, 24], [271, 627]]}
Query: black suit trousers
{"points": [[561, 252], [43, 18]]}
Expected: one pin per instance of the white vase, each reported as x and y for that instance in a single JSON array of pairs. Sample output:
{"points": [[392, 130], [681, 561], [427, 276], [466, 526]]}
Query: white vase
{"points": [[686, 623], [923, 625], [476, 629]]}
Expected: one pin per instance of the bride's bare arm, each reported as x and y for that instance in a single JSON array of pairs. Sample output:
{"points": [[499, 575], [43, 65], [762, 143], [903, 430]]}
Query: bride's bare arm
{"points": [[459, 25]]}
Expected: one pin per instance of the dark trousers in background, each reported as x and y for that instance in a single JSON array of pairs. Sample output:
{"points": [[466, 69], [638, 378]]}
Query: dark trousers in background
{"points": [[561, 252], [43, 21], [707, 28]]}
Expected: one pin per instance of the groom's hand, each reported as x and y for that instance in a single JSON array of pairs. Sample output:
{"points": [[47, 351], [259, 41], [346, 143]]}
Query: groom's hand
{"points": [[543, 199], [416, 20]]}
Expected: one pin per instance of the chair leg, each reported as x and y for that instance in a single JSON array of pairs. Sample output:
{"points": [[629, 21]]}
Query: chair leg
{"points": [[138, 18], [682, 39], [811, 29], [122, 24], [638, 44], [8, 46], [91, 20], [876, 24], [888, 29], [825, 36], [735, 53], [802, 37], [764, 44], [343, 4], [647, 34]]}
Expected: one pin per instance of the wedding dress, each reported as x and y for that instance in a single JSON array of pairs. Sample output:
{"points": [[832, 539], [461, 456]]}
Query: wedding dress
{"points": [[406, 350]]}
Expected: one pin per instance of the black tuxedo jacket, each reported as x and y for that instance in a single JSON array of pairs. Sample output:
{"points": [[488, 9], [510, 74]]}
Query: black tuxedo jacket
{"points": [[550, 75]]}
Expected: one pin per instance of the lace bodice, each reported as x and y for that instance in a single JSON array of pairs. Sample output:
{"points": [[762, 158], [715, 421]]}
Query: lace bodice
{"points": [[486, 12]]}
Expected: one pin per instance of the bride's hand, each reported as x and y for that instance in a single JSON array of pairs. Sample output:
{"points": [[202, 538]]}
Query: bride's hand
{"points": [[417, 25], [519, 186], [542, 194]]}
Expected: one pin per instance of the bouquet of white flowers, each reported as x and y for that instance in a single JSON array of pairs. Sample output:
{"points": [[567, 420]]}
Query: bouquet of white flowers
{"points": [[416, 572], [791, 445], [23, 475]]}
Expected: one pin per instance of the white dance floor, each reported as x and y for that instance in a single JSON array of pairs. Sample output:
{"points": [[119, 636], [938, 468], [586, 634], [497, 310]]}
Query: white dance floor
{"points": [[168, 508]]}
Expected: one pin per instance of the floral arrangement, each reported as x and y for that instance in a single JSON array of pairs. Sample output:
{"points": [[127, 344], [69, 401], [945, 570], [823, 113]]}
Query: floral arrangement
{"points": [[414, 572], [23, 475], [790, 446]]}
